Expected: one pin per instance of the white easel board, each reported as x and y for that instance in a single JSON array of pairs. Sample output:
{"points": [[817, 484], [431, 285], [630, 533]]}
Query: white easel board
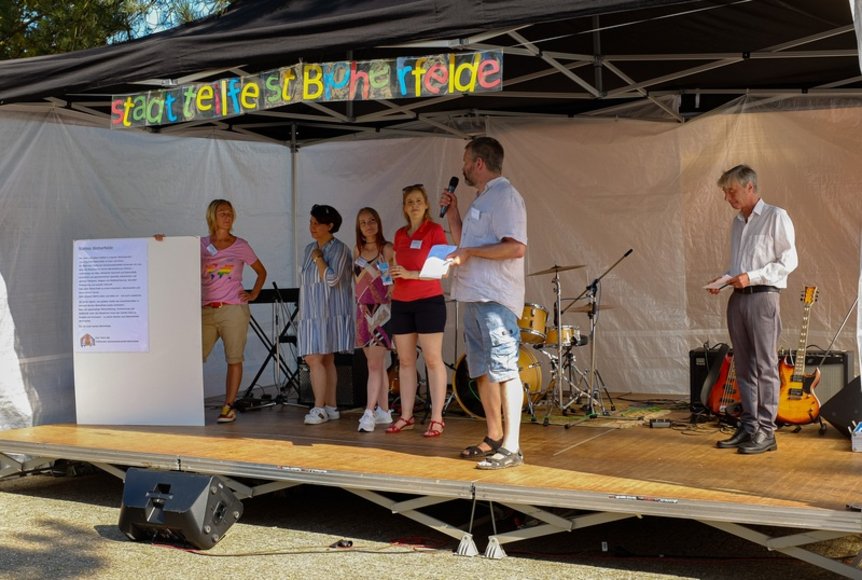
{"points": [[162, 385]]}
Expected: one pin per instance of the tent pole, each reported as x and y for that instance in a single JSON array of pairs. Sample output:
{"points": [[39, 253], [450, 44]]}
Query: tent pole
{"points": [[293, 204]]}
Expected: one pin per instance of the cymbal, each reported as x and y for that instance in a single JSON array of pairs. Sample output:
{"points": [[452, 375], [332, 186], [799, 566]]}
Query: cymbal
{"points": [[586, 308], [554, 269]]}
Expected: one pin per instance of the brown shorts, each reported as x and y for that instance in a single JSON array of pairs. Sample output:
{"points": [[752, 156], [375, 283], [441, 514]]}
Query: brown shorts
{"points": [[230, 322]]}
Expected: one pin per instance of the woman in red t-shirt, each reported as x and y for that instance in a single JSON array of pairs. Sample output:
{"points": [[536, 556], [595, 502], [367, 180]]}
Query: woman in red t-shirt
{"points": [[418, 312]]}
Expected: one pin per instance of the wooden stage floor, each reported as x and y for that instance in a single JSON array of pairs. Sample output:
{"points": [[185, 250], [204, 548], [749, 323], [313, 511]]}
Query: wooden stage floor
{"points": [[597, 468]]}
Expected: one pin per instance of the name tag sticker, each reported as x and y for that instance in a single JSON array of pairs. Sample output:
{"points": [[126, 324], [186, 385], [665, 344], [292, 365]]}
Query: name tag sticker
{"points": [[212, 250], [416, 245], [474, 213], [360, 261]]}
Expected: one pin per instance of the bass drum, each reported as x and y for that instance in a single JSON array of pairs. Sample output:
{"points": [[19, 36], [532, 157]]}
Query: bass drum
{"points": [[467, 394]]}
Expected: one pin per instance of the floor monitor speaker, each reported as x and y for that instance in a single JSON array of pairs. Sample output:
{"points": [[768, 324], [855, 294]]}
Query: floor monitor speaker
{"points": [[844, 410], [177, 507]]}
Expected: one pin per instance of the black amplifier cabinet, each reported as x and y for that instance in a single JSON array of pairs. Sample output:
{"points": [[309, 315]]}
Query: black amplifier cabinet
{"points": [[352, 388], [702, 363], [834, 371]]}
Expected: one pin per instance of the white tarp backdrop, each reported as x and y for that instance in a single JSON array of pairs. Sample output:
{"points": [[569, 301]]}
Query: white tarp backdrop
{"points": [[594, 188], [60, 181]]}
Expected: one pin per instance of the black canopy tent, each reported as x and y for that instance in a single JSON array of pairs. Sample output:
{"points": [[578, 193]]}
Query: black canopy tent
{"points": [[680, 57]]}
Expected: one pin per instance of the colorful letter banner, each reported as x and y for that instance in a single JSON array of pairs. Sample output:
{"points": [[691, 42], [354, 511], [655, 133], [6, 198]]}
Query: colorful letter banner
{"points": [[400, 78]]}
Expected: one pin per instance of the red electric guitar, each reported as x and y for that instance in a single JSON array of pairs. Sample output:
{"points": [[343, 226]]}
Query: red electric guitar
{"points": [[723, 397], [797, 403]]}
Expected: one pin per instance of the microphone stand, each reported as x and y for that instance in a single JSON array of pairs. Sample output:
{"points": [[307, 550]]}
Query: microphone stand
{"points": [[593, 294]]}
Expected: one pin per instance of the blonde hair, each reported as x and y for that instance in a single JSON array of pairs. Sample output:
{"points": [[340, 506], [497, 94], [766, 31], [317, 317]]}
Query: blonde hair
{"points": [[212, 210]]}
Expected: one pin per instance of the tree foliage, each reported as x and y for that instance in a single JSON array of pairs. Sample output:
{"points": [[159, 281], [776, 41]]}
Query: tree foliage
{"points": [[39, 27]]}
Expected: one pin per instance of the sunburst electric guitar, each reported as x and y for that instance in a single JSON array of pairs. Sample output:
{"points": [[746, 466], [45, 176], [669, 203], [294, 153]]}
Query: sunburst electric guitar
{"points": [[797, 403]]}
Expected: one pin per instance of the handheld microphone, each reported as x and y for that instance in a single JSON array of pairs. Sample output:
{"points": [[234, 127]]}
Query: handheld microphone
{"points": [[453, 183]]}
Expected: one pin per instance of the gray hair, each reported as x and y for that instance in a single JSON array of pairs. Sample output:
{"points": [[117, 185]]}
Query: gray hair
{"points": [[741, 174]]}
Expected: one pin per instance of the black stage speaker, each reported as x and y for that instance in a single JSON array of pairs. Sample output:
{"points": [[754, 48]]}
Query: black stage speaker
{"points": [[844, 409], [177, 506], [834, 371], [351, 391]]}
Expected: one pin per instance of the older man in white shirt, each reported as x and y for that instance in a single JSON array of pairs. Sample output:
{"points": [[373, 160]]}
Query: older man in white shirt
{"points": [[762, 255]]}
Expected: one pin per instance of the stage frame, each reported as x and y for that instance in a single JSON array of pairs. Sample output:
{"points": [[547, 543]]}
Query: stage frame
{"points": [[406, 475]]}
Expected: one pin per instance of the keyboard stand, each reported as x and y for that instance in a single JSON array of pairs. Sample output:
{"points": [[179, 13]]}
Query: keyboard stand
{"points": [[288, 297]]}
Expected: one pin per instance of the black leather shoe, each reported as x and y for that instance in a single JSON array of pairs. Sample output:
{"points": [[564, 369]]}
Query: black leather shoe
{"points": [[760, 443], [741, 436]]}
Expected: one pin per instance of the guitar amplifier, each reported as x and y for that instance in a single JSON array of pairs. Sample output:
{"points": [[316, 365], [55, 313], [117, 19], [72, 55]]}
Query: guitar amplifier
{"points": [[351, 389], [834, 371], [702, 363]]}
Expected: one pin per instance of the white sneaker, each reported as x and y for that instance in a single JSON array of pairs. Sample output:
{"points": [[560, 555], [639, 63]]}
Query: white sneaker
{"points": [[332, 413], [382, 417], [366, 422], [316, 416]]}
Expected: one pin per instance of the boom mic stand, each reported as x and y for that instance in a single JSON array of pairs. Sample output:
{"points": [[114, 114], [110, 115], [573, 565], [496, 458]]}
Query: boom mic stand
{"points": [[593, 294], [835, 337]]}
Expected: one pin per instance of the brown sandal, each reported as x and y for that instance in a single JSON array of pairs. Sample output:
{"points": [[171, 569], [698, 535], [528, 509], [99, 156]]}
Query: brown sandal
{"points": [[474, 451], [401, 424], [433, 431]]}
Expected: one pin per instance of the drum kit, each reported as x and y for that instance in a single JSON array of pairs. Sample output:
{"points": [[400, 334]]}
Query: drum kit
{"points": [[569, 384]]}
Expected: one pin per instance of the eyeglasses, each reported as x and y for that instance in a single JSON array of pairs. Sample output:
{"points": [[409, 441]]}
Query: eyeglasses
{"points": [[412, 187]]}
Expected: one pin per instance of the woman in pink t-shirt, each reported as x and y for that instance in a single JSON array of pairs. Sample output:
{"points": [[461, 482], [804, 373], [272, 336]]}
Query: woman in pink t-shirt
{"points": [[418, 312], [224, 301]]}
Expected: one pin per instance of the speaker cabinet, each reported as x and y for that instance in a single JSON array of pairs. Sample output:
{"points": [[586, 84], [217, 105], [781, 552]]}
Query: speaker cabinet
{"points": [[834, 371], [177, 507], [351, 390], [844, 409]]}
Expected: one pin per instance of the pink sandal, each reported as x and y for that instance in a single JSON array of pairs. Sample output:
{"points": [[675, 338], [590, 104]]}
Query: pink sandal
{"points": [[401, 424], [435, 431]]}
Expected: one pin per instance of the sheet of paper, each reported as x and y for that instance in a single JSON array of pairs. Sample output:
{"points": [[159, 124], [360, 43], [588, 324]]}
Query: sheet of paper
{"points": [[718, 284], [436, 265]]}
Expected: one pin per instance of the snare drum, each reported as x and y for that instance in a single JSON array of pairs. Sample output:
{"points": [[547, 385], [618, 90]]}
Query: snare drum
{"points": [[467, 394], [532, 324], [571, 335]]}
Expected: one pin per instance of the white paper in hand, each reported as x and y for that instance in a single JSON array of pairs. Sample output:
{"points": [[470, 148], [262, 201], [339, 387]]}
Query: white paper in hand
{"points": [[436, 265]]}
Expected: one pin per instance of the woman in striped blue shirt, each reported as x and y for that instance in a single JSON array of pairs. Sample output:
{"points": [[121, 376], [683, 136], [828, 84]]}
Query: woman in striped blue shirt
{"points": [[326, 310]]}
